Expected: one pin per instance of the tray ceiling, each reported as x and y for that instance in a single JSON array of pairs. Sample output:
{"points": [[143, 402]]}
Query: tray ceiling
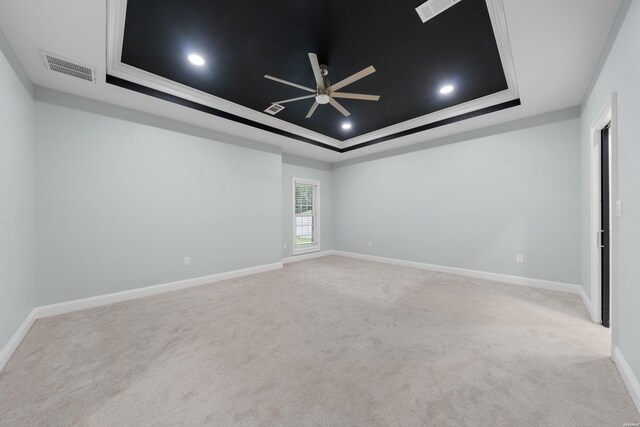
{"points": [[466, 46]]}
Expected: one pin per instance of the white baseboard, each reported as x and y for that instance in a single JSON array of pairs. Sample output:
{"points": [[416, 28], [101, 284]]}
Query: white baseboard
{"points": [[304, 257], [628, 377], [16, 339], [100, 300], [586, 301], [7, 351], [496, 277]]}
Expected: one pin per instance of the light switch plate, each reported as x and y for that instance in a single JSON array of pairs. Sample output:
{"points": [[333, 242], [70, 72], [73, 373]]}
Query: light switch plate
{"points": [[619, 208]]}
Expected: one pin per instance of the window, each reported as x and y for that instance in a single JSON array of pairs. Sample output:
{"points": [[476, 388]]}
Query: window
{"points": [[306, 215]]}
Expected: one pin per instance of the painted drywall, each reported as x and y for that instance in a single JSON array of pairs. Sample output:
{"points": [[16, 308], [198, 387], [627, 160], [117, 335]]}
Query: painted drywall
{"points": [[120, 204], [474, 204], [298, 167], [621, 74], [17, 239]]}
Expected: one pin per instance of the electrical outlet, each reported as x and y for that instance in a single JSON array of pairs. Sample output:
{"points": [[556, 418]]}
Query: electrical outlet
{"points": [[370, 243], [187, 260], [284, 246], [619, 208], [520, 258]]}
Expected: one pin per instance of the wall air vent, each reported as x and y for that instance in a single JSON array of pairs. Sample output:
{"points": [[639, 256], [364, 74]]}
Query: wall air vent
{"points": [[65, 66], [274, 109], [432, 8]]}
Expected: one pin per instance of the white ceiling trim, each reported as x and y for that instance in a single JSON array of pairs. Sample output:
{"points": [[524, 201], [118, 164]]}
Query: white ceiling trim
{"points": [[116, 14]]}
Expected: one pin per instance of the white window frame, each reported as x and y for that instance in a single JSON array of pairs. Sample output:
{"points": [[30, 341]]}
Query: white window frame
{"points": [[297, 250]]}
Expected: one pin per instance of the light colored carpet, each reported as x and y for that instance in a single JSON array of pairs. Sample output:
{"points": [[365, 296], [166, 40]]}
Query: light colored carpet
{"points": [[327, 342]]}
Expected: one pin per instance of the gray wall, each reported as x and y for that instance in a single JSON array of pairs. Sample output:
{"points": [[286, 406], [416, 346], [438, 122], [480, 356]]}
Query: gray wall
{"points": [[473, 204], [621, 74], [16, 195], [298, 167], [121, 203]]}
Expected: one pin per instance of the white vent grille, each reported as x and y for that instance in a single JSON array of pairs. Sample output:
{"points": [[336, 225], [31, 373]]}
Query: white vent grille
{"points": [[432, 8], [274, 109], [68, 67]]}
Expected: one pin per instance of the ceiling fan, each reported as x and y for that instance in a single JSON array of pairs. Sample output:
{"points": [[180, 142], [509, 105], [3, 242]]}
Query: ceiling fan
{"points": [[325, 93]]}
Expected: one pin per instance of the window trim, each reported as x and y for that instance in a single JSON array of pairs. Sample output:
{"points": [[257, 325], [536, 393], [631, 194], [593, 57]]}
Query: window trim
{"points": [[316, 207]]}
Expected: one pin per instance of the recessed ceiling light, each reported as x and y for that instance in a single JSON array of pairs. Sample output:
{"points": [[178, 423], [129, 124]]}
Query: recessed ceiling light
{"points": [[196, 59], [346, 126], [446, 89]]}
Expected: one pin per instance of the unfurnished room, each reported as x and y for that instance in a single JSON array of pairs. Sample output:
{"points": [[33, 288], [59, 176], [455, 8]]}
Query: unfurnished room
{"points": [[319, 213]]}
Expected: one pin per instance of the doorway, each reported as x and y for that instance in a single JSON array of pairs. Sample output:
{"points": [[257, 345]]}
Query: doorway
{"points": [[605, 226], [605, 208]]}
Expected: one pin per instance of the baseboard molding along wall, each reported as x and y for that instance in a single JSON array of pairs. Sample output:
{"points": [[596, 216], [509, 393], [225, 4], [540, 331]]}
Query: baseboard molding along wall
{"points": [[628, 377], [101, 300], [304, 257], [82, 304], [586, 301], [16, 339], [496, 277]]}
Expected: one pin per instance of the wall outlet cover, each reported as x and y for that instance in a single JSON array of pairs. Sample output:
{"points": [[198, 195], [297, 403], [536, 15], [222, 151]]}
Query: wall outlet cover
{"points": [[520, 258], [187, 260]]}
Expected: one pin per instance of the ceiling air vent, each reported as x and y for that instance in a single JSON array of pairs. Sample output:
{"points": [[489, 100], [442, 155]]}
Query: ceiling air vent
{"points": [[431, 8], [70, 68], [274, 109]]}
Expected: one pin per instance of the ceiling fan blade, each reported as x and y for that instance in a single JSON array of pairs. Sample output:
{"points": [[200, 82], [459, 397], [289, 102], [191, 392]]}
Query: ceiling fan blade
{"points": [[339, 107], [312, 110], [357, 76], [289, 83], [316, 70], [355, 96], [294, 99]]}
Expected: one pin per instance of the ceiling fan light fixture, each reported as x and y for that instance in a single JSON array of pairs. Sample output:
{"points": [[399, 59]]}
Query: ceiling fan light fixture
{"points": [[447, 89], [196, 59], [323, 98]]}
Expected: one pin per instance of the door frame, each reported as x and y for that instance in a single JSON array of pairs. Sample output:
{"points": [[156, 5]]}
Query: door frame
{"points": [[608, 114]]}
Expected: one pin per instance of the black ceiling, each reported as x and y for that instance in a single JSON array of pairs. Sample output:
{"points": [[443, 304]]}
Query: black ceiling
{"points": [[244, 40]]}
